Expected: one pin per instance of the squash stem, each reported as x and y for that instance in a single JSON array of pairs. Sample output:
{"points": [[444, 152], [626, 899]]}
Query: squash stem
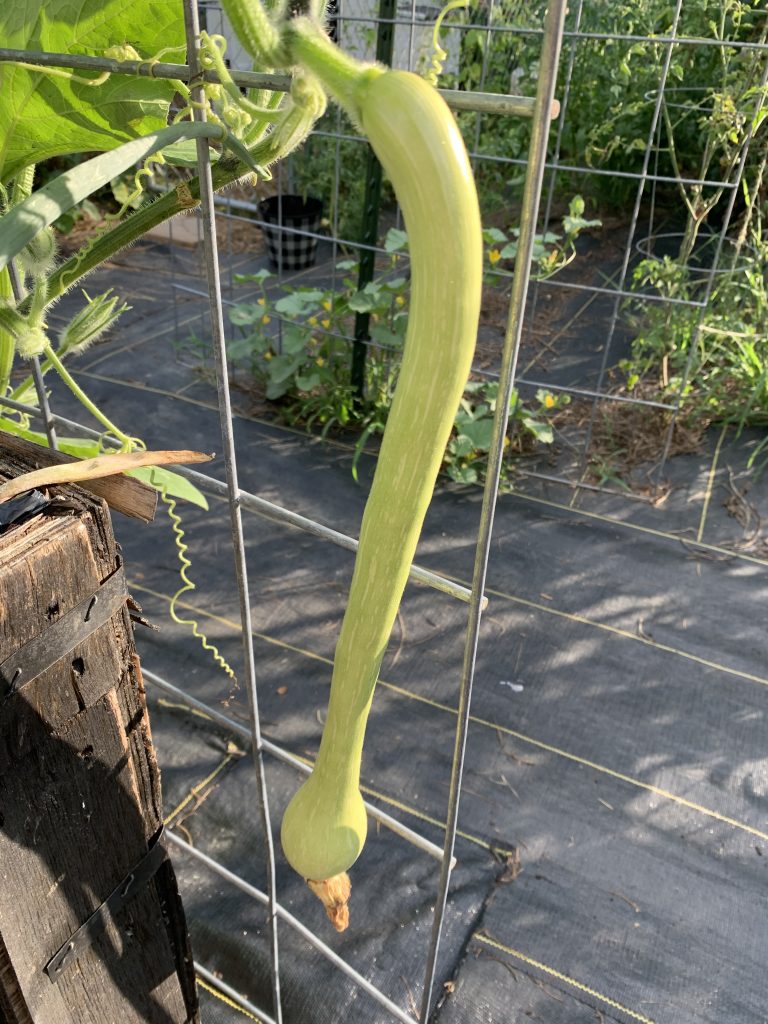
{"points": [[80, 395], [343, 76], [7, 344]]}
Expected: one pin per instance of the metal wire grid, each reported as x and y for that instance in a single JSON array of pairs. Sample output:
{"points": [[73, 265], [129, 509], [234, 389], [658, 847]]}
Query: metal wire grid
{"points": [[540, 111], [648, 179]]}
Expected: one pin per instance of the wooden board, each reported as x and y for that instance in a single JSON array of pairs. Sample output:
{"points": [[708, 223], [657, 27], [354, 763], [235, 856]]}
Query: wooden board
{"points": [[122, 493], [79, 794]]}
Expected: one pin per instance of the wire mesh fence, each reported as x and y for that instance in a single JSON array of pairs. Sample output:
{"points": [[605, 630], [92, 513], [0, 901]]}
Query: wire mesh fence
{"points": [[628, 140], [656, 133]]}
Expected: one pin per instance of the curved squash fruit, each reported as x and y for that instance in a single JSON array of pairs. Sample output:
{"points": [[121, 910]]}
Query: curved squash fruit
{"points": [[418, 143]]}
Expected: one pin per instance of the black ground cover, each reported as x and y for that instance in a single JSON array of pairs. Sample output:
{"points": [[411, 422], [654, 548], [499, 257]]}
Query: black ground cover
{"points": [[613, 848]]}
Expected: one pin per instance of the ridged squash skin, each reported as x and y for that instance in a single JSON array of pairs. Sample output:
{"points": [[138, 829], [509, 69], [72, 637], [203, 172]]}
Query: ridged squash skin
{"points": [[418, 143]]}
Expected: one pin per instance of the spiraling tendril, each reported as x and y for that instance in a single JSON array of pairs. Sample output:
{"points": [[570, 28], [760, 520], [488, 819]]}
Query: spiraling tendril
{"points": [[182, 547], [439, 54]]}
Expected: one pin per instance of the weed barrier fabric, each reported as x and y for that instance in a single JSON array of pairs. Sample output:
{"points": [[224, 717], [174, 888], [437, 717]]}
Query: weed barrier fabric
{"points": [[617, 746], [393, 890], [603, 754]]}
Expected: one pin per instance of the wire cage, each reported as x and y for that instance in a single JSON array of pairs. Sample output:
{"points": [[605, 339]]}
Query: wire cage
{"points": [[562, 336]]}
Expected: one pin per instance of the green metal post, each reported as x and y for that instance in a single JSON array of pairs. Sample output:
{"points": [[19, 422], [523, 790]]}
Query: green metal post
{"points": [[385, 39]]}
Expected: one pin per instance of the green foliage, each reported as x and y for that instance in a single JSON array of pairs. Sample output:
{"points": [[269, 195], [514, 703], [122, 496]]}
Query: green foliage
{"points": [[297, 346], [613, 89], [715, 360], [304, 366], [467, 453], [552, 251], [615, 84], [44, 114]]}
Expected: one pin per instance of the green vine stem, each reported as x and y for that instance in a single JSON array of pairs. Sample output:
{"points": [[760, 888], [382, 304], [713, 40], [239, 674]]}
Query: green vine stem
{"points": [[183, 198], [22, 185], [344, 77], [126, 442], [7, 346]]}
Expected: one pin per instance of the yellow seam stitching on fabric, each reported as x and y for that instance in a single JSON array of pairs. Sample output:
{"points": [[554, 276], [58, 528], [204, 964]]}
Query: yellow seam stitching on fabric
{"points": [[563, 977], [225, 999], [550, 749], [435, 821], [571, 616], [197, 788], [663, 534], [711, 482], [540, 744], [617, 631]]}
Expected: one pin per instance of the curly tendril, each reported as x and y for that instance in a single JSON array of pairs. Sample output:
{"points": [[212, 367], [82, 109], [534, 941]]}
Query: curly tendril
{"points": [[182, 547], [439, 54]]}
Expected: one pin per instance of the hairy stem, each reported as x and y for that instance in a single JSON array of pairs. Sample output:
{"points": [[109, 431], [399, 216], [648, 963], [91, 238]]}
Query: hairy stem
{"points": [[183, 197], [22, 185], [125, 440], [255, 30], [7, 344]]}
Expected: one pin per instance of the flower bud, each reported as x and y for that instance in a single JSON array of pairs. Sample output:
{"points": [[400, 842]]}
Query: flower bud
{"points": [[90, 323], [31, 341]]}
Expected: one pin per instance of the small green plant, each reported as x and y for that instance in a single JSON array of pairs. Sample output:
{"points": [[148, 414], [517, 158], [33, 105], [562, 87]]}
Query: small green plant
{"points": [[552, 251], [296, 345], [715, 361], [467, 454]]}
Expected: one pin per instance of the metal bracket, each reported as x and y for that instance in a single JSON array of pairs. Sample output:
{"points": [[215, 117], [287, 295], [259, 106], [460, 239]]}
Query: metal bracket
{"points": [[44, 650], [140, 876]]}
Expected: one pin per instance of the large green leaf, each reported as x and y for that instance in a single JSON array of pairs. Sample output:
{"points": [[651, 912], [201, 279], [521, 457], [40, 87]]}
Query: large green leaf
{"points": [[43, 116]]}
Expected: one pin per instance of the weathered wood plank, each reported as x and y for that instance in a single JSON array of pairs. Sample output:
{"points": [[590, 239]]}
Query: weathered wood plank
{"points": [[79, 796], [122, 493]]}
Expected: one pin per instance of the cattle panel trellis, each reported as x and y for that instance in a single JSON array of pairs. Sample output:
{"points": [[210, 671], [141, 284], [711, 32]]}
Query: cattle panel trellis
{"points": [[540, 112], [543, 168]]}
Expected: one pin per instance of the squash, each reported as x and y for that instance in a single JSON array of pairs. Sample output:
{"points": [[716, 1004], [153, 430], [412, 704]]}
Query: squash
{"points": [[418, 143]]}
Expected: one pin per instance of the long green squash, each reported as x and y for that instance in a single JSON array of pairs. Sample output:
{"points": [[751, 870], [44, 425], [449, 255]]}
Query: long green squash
{"points": [[416, 139]]}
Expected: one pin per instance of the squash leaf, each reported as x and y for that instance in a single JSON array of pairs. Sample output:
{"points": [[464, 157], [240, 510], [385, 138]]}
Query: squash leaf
{"points": [[44, 115], [175, 486]]}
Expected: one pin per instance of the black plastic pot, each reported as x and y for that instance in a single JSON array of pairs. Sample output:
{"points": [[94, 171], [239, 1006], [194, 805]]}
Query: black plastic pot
{"points": [[287, 221]]}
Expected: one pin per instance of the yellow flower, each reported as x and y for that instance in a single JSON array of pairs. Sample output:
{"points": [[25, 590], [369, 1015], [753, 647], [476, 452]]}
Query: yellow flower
{"points": [[548, 401], [267, 355], [312, 321], [327, 305], [326, 323], [399, 300], [266, 319], [261, 302], [320, 361], [494, 256]]}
